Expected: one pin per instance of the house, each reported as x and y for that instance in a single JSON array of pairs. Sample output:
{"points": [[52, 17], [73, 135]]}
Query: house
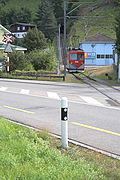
{"points": [[99, 50], [3, 45], [20, 29], [4, 31]]}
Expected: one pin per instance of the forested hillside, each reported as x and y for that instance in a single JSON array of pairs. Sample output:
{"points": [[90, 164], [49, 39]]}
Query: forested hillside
{"points": [[90, 17]]}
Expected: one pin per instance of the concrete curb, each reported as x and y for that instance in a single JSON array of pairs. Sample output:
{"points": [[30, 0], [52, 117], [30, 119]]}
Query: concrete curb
{"points": [[42, 82]]}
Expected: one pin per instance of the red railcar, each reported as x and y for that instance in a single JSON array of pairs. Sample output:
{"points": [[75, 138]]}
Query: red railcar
{"points": [[75, 60]]}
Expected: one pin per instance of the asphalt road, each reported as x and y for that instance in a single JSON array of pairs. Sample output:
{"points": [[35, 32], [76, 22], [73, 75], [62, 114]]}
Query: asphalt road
{"points": [[93, 119]]}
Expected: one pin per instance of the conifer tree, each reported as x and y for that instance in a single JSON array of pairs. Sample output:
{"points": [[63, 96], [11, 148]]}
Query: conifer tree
{"points": [[45, 19], [58, 8]]}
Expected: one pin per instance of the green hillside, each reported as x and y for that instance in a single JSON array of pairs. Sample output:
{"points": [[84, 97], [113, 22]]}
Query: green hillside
{"points": [[104, 23], [17, 4], [79, 28], [31, 4]]}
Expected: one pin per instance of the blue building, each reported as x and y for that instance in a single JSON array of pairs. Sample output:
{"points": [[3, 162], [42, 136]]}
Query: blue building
{"points": [[99, 50]]}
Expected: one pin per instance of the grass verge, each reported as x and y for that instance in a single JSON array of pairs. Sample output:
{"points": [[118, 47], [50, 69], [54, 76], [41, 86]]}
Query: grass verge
{"points": [[30, 155], [10, 76], [107, 73]]}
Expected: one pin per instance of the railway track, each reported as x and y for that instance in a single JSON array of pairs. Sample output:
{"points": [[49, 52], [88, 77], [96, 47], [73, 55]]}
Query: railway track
{"points": [[105, 89]]}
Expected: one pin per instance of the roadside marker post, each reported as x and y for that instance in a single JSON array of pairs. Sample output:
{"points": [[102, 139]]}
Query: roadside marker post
{"points": [[8, 38], [64, 122], [8, 50]]}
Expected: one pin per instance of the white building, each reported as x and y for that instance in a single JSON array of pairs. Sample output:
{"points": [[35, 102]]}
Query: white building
{"points": [[20, 29]]}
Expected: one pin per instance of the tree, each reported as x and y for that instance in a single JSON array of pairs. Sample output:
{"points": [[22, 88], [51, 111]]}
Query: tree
{"points": [[58, 9], [116, 2], [11, 16], [4, 2], [24, 15], [34, 39], [8, 17], [45, 19]]}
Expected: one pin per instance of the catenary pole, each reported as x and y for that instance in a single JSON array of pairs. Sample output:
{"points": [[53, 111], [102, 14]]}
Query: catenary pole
{"points": [[59, 49], [65, 60]]}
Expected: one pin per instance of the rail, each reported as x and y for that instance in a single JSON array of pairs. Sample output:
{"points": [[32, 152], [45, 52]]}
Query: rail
{"points": [[98, 86]]}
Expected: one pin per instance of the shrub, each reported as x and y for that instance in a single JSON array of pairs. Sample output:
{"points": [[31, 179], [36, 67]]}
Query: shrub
{"points": [[43, 59], [18, 61]]}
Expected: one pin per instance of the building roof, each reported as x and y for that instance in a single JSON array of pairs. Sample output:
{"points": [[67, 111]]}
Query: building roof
{"points": [[19, 48], [23, 24], [99, 38], [5, 30]]}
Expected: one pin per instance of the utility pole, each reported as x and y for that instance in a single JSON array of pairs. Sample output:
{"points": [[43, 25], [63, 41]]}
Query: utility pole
{"points": [[59, 49], [118, 68], [65, 33], [65, 60]]}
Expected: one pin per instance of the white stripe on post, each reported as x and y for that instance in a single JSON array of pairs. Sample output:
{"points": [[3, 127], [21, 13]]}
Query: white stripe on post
{"points": [[64, 122]]}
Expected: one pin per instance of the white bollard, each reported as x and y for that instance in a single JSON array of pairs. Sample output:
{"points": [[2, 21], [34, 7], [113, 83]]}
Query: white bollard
{"points": [[64, 122]]}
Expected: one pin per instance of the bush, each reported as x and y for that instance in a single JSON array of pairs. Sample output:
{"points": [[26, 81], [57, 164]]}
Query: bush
{"points": [[43, 59], [18, 61]]}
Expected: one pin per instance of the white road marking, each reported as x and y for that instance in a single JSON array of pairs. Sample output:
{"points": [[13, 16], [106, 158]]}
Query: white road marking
{"points": [[116, 87], [91, 100], [53, 95], [25, 91], [3, 88], [72, 101]]}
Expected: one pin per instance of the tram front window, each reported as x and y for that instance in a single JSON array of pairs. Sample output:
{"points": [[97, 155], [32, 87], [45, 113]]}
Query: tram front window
{"points": [[80, 56], [73, 56]]}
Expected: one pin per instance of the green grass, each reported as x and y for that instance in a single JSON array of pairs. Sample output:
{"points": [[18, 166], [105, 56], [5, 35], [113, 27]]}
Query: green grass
{"points": [[29, 155], [112, 73], [10, 76]]}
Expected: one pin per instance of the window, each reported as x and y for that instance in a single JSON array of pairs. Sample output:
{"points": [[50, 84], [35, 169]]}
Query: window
{"points": [[80, 56], [73, 56], [23, 28], [18, 28], [107, 56], [98, 56], [102, 56]]}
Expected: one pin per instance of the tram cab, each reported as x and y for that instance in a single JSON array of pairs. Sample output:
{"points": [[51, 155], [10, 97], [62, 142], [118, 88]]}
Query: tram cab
{"points": [[75, 60]]}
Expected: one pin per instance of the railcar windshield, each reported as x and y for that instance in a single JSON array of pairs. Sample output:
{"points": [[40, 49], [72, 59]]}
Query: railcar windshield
{"points": [[74, 56], [80, 56]]}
